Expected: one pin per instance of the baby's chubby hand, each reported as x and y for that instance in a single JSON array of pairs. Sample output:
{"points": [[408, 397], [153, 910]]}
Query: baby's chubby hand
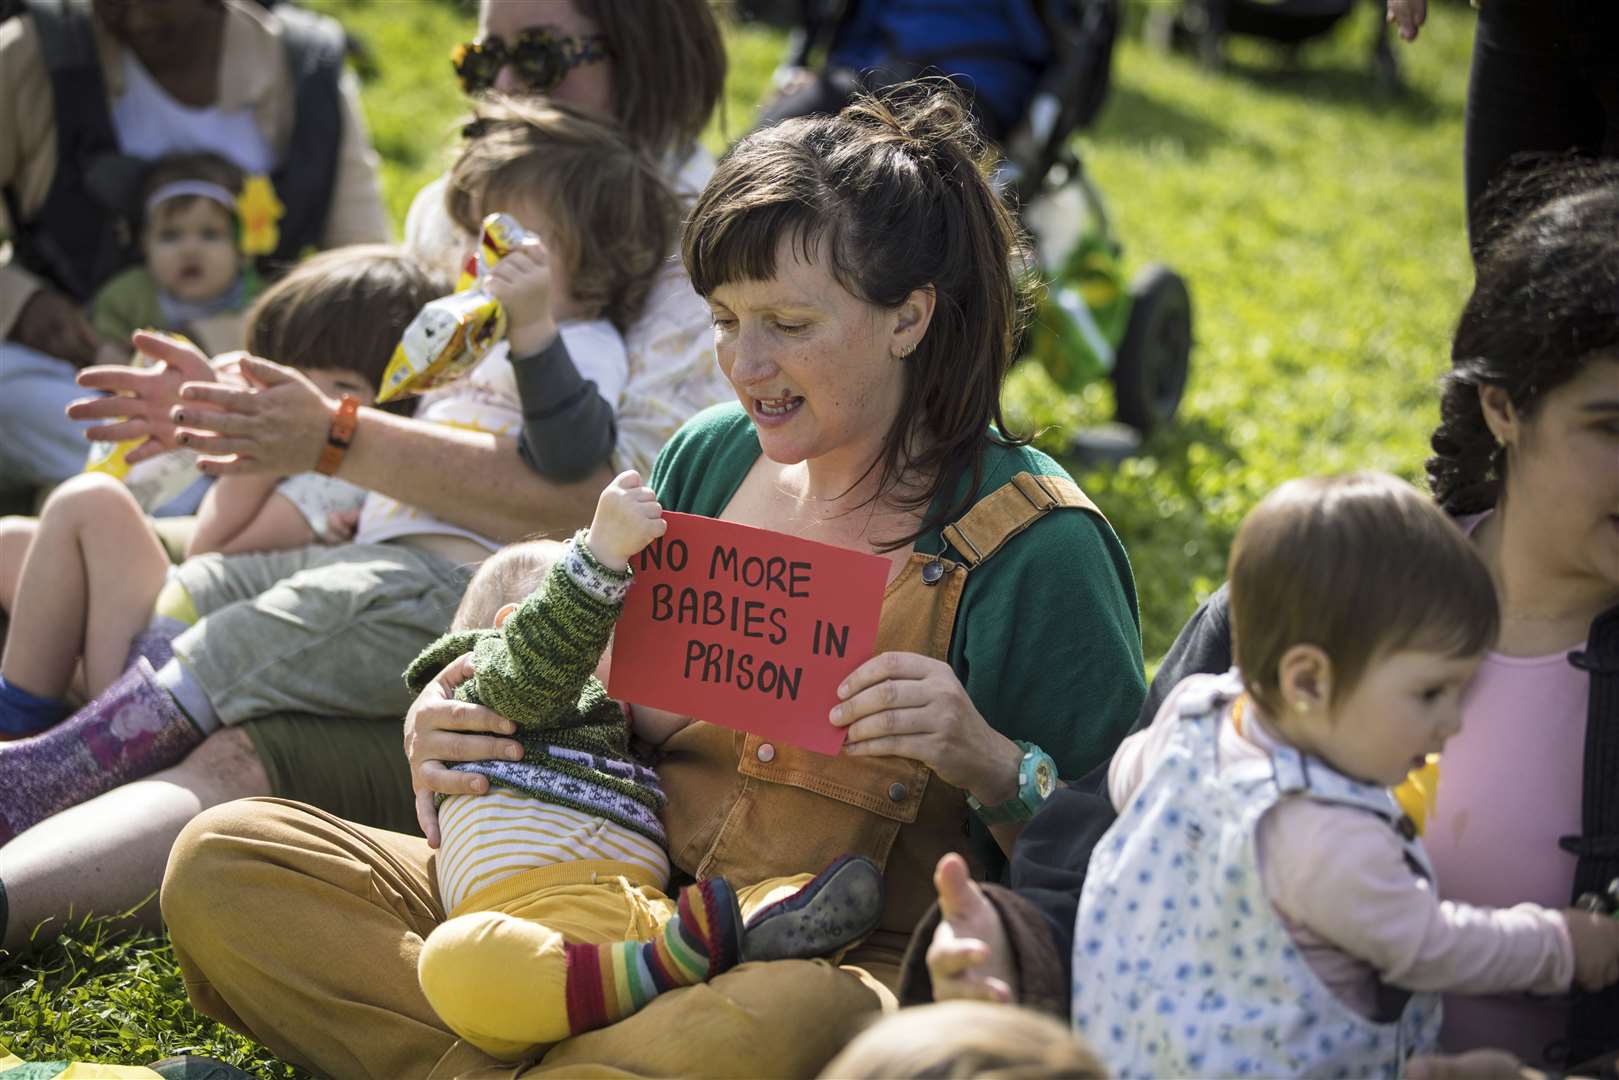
{"points": [[522, 282], [1595, 938], [628, 518], [970, 956]]}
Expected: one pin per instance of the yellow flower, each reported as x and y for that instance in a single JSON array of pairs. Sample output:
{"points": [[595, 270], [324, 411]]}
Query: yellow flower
{"points": [[259, 211]]}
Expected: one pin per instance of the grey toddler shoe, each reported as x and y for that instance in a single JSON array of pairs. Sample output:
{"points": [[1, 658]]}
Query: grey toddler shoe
{"points": [[839, 906]]}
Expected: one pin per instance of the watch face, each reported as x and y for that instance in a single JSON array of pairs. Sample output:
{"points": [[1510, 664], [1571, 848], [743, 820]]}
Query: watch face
{"points": [[1045, 778]]}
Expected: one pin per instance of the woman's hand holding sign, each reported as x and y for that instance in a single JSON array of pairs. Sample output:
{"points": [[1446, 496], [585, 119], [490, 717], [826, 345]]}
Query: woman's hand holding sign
{"points": [[908, 705]]}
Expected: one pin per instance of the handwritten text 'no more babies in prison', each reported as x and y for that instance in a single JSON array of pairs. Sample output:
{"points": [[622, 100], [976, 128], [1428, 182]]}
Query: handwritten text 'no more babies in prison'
{"points": [[747, 628]]}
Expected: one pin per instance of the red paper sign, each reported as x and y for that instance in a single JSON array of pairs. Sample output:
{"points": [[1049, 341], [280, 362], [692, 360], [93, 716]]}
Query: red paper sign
{"points": [[747, 628]]}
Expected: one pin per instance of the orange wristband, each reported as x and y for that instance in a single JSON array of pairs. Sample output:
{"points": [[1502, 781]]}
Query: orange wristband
{"points": [[340, 435]]}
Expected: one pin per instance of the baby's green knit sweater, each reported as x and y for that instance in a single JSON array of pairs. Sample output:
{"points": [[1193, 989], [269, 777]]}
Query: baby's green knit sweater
{"points": [[537, 672]]}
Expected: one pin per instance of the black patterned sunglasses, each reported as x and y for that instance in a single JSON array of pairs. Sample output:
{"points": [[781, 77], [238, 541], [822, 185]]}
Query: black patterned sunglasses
{"points": [[542, 59]]}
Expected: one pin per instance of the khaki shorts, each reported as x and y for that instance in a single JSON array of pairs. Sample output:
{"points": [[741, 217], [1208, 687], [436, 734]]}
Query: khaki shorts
{"points": [[355, 769], [316, 631]]}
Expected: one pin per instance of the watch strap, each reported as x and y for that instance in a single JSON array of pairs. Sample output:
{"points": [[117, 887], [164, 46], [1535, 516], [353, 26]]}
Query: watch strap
{"points": [[1016, 808], [339, 436]]}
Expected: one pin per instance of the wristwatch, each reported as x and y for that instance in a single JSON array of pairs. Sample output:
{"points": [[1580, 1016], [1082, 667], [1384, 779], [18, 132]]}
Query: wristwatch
{"points": [[1036, 780], [339, 436]]}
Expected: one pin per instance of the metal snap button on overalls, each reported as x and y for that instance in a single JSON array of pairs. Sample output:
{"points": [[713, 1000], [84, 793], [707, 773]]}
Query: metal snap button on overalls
{"points": [[897, 792], [767, 753], [932, 572]]}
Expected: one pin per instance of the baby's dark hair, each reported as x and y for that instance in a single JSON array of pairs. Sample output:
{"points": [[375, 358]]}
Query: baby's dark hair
{"points": [[613, 215], [344, 308], [1544, 305], [176, 168], [1359, 566], [509, 576], [955, 1040]]}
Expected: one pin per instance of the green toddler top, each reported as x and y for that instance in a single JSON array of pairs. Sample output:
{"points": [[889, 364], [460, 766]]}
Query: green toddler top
{"points": [[537, 672]]}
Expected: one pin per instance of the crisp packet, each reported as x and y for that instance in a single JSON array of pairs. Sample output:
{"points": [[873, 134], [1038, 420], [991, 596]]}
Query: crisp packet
{"points": [[450, 335]]}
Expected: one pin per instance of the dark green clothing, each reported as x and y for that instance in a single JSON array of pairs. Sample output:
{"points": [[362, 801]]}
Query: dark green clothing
{"points": [[348, 766], [1048, 639]]}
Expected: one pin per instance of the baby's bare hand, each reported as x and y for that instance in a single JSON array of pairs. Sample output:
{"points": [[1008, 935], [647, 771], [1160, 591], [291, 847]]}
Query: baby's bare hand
{"points": [[521, 281], [628, 518], [1596, 948], [970, 956]]}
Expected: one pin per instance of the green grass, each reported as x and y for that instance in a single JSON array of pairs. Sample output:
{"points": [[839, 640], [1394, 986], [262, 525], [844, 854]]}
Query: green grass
{"points": [[98, 996], [1318, 222]]}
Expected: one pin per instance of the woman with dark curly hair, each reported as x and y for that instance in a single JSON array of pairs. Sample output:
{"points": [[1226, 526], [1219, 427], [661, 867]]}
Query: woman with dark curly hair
{"points": [[1526, 458]]}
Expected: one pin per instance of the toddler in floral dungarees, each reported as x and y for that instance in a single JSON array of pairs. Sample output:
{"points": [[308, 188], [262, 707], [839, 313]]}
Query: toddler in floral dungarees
{"points": [[1262, 906]]}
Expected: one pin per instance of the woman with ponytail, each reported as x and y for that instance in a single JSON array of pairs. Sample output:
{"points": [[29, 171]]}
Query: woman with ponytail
{"points": [[859, 272], [1526, 459]]}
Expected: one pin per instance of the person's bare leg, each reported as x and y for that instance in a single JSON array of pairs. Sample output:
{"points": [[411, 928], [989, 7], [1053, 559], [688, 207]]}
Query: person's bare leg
{"points": [[87, 588], [16, 533], [107, 855]]}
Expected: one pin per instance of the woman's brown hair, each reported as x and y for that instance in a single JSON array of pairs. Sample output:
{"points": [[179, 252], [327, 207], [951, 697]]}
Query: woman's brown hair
{"points": [[668, 68], [612, 214], [344, 308], [1358, 565], [892, 195]]}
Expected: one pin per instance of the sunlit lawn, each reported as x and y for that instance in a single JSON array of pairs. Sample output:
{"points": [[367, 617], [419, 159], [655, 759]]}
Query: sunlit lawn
{"points": [[1318, 222]]}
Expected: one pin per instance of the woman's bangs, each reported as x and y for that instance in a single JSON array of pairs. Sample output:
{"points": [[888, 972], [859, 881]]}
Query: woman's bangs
{"points": [[742, 245]]}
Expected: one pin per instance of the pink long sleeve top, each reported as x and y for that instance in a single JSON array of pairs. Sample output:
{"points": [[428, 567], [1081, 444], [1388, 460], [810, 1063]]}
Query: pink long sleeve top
{"points": [[1360, 917]]}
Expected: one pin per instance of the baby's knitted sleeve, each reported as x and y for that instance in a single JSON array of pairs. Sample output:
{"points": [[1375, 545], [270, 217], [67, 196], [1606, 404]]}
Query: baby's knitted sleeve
{"points": [[536, 669]]}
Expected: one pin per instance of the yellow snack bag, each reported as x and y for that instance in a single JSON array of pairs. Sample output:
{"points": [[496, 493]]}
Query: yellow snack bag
{"points": [[450, 335], [112, 458], [1419, 794]]}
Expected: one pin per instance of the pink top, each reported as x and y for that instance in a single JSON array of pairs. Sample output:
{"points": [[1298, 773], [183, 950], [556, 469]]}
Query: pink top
{"points": [[1339, 879], [1509, 786]]}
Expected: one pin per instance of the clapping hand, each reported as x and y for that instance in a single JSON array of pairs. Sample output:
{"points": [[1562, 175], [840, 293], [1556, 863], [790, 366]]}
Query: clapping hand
{"points": [[143, 397]]}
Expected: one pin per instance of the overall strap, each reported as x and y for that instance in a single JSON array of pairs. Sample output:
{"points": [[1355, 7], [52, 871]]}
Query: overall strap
{"points": [[1302, 774], [1010, 509], [1199, 711], [1594, 1018], [307, 175]]}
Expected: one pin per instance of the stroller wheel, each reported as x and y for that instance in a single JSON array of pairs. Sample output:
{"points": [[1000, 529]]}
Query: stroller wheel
{"points": [[1149, 375]]}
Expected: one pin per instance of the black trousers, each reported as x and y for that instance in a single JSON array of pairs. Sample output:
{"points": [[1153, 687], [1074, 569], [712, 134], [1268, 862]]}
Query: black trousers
{"points": [[1545, 79]]}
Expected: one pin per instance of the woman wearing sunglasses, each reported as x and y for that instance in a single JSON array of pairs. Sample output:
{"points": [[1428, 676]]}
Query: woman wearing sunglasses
{"points": [[658, 70], [655, 68]]}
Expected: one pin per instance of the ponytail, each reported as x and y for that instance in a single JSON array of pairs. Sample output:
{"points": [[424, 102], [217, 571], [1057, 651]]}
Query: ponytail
{"points": [[892, 195]]}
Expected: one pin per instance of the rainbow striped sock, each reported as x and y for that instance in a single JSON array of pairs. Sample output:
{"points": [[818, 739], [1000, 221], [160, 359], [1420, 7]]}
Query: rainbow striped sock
{"points": [[606, 983]]}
